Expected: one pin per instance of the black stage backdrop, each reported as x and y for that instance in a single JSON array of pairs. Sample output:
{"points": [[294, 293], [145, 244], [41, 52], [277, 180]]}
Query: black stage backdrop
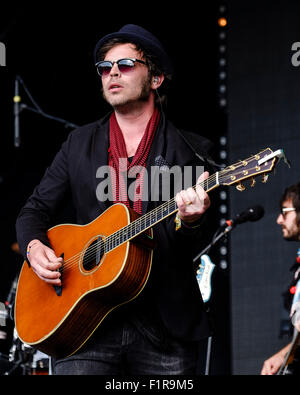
{"points": [[51, 48], [264, 104]]}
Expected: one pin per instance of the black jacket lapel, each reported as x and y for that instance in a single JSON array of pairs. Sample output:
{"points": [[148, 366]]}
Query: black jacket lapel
{"points": [[100, 147]]}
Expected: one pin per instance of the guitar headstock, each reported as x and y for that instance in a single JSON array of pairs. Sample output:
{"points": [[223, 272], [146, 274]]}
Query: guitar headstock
{"points": [[259, 164]]}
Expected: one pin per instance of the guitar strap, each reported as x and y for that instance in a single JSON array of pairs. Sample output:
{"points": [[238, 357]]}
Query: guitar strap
{"points": [[200, 146]]}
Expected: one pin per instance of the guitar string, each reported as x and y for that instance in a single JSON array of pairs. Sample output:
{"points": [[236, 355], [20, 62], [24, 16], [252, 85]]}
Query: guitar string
{"points": [[99, 247], [117, 235]]}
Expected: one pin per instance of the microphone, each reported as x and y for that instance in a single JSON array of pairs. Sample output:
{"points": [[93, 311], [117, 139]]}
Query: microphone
{"points": [[17, 100], [250, 214]]}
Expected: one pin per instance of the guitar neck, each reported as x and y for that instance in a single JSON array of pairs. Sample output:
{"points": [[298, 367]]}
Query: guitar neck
{"points": [[154, 216], [261, 163]]}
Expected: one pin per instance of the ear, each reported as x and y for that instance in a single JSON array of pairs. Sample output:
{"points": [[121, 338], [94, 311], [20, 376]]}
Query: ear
{"points": [[157, 80]]}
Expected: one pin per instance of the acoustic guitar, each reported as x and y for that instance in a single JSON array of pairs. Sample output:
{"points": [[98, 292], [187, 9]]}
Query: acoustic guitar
{"points": [[106, 264]]}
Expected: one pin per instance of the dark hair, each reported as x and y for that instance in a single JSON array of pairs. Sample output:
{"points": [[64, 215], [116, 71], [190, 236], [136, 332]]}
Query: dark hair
{"points": [[151, 60], [293, 193]]}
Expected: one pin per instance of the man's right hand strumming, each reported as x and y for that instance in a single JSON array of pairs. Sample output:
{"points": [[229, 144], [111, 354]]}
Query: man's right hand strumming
{"points": [[44, 262]]}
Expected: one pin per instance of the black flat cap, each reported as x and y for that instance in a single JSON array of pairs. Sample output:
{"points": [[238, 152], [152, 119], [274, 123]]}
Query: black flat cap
{"points": [[141, 36]]}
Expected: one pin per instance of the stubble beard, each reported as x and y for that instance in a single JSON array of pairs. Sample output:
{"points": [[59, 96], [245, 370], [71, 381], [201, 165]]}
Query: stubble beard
{"points": [[290, 235], [120, 101]]}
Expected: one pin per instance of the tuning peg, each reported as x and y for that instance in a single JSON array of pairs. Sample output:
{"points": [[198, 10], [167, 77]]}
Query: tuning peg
{"points": [[240, 187], [265, 178], [252, 182]]}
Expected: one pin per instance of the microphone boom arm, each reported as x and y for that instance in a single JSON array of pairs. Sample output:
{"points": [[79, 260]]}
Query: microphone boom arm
{"points": [[61, 120], [18, 107], [214, 241]]}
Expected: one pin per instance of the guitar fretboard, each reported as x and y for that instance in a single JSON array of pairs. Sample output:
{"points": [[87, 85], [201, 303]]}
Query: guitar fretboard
{"points": [[154, 216]]}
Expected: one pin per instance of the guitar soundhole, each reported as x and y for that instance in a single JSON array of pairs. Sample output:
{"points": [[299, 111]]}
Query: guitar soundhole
{"points": [[93, 255]]}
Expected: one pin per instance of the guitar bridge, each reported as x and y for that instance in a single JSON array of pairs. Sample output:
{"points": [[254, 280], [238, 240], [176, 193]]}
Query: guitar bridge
{"points": [[58, 288]]}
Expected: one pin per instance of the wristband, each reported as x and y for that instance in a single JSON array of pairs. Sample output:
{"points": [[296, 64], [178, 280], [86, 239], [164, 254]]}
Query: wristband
{"points": [[28, 251], [178, 222], [28, 248]]}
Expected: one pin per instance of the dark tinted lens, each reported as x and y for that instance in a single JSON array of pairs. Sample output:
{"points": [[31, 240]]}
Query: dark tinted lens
{"points": [[104, 68], [125, 65]]}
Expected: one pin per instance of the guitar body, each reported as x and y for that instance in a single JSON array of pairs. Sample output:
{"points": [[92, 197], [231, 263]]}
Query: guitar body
{"points": [[59, 323]]}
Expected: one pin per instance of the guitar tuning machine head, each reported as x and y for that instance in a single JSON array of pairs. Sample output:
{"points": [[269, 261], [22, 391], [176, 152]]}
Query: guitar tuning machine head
{"points": [[252, 182], [240, 187], [264, 178]]}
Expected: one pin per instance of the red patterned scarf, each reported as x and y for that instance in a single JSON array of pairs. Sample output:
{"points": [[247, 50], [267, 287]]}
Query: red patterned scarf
{"points": [[119, 162]]}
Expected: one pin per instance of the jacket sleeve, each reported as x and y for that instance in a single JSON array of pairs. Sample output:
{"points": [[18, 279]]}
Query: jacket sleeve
{"points": [[38, 213], [193, 237]]}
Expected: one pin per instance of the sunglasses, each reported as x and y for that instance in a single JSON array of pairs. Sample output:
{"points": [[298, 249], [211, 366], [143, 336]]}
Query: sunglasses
{"points": [[285, 210], [124, 65]]}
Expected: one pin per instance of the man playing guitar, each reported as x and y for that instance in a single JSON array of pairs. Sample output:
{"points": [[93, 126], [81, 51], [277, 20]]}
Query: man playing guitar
{"points": [[289, 220]]}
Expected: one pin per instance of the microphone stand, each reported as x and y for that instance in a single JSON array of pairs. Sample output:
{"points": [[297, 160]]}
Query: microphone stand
{"points": [[63, 121], [214, 241], [36, 109], [217, 236], [17, 111]]}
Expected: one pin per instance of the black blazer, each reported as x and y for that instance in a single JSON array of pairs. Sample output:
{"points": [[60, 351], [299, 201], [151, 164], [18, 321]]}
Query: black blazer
{"points": [[172, 288]]}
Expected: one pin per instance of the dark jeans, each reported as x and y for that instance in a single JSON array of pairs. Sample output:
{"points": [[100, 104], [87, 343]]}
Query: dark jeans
{"points": [[124, 350]]}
